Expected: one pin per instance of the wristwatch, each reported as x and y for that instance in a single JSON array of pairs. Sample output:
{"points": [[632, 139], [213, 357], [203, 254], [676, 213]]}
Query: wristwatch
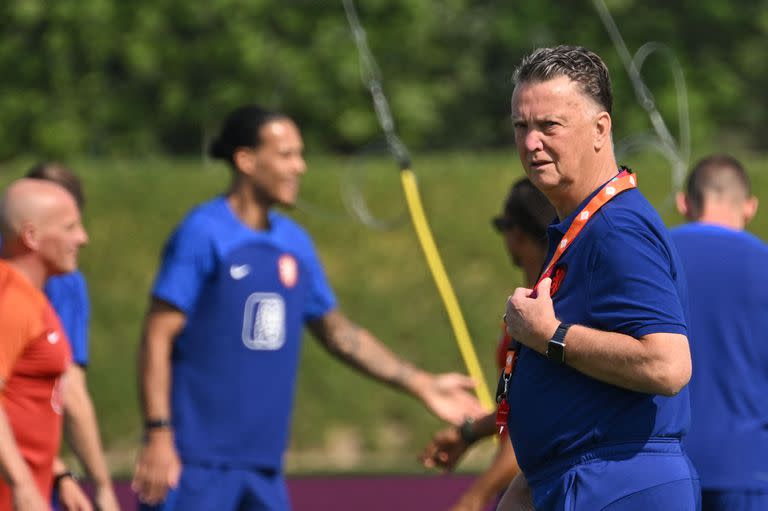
{"points": [[60, 477], [467, 432], [556, 345]]}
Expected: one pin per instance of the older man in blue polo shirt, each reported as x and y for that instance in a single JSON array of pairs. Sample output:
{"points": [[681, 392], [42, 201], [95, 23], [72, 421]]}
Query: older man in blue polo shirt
{"points": [[598, 397]]}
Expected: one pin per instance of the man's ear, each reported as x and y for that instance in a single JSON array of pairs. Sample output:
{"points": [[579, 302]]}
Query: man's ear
{"points": [[244, 159], [602, 130], [681, 201], [29, 236], [750, 209]]}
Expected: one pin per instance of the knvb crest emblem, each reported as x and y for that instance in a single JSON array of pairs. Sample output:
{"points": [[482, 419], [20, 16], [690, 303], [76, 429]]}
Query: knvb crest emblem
{"points": [[557, 278], [288, 270]]}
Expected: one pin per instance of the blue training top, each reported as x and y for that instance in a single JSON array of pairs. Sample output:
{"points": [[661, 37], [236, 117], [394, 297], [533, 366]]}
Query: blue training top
{"points": [[246, 295], [68, 294], [621, 274], [726, 273]]}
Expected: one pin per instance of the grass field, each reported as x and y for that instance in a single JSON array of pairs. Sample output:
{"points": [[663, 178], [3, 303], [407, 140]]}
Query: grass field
{"points": [[343, 422]]}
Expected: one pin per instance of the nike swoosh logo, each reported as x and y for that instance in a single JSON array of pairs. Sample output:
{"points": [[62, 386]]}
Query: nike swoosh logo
{"points": [[237, 272]]}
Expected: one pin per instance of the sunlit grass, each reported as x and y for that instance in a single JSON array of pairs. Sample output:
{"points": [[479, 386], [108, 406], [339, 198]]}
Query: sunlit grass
{"points": [[379, 275]]}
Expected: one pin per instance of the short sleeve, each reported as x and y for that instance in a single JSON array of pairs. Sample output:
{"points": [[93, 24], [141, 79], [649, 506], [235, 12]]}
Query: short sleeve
{"points": [[632, 285], [15, 328], [188, 260], [320, 298]]}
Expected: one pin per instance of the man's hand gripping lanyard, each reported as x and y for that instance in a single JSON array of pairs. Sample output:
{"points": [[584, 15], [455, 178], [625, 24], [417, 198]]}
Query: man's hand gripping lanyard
{"points": [[624, 181]]}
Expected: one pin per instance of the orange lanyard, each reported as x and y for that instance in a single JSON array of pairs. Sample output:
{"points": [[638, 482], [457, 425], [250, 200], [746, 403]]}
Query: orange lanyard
{"points": [[624, 181]]}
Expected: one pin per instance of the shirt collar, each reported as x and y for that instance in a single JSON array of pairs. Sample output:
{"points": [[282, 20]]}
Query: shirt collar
{"points": [[558, 228]]}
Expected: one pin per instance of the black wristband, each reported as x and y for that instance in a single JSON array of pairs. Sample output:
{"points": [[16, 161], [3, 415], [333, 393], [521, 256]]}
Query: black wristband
{"points": [[151, 424], [467, 432], [58, 478], [556, 345]]}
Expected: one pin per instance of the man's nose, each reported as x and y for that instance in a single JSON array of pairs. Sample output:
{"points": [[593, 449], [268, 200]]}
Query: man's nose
{"points": [[533, 141], [83, 238], [301, 165]]}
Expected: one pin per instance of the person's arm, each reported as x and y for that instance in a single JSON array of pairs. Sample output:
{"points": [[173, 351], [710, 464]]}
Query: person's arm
{"points": [[158, 467], [657, 363], [71, 496], [82, 434], [492, 481], [518, 496], [446, 395], [14, 469], [447, 447]]}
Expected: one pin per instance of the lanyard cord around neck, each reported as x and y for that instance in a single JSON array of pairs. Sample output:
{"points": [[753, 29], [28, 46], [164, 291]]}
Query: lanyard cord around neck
{"points": [[624, 181]]}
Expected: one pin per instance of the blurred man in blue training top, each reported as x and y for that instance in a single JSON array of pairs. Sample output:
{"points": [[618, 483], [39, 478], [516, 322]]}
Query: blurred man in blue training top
{"points": [[219, 356], [598, 400], [728, 297]]}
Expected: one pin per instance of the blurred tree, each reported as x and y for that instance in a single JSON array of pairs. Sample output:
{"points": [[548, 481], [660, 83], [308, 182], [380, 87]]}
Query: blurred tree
{"points": [[111, 77]]}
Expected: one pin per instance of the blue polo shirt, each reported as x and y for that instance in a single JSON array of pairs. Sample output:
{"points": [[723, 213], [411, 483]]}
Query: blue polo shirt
{"points": [[728, 283], [621, 274], [68, 293], [246, 295]]}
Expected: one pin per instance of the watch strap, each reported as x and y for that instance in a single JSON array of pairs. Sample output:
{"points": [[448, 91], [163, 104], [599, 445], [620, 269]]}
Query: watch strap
{"points": [[467, 431], [556, 345]]}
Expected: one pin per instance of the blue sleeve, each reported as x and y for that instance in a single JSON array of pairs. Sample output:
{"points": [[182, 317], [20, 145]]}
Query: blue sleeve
{"points": [[320, 300], [632, 289], [69, 296], [188, 260]]}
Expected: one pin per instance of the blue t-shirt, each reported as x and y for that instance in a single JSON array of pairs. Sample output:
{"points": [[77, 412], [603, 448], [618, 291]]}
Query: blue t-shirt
{"points": [[246, 295], [728, 284], [621, 274], [68, 294]]}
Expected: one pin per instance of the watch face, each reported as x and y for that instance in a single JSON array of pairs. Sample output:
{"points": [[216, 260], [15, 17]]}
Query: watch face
{"points": [[556, 352]]}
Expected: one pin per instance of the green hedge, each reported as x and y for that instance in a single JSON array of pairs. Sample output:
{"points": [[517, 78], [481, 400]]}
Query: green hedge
{"points": [[109, 77]]}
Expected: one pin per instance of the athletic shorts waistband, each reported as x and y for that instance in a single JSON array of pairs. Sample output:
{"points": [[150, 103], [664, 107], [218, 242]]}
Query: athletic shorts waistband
{"points": [[608, 451]]}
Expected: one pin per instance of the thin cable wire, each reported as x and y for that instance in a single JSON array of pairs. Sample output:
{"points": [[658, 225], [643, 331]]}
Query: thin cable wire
{"points": [[371, 76], [678, 155]]}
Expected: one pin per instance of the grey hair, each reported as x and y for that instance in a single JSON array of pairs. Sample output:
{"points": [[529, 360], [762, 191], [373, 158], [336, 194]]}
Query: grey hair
{"points": [[577, 63]]}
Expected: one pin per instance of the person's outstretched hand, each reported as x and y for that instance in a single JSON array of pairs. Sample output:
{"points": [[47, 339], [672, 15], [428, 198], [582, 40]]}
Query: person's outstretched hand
{"points": [[449, 396]]}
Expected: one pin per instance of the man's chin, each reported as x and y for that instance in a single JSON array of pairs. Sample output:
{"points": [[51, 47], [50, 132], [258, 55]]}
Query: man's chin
{"points": [[288, 202], [541, 181], [285, 204], [62, 270]]}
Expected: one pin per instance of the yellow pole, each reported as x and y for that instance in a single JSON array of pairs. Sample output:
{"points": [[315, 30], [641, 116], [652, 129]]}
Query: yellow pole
{"points": [[435, 264]]}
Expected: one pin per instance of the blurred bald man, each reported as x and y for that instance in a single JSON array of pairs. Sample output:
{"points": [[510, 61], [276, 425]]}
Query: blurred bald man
{"points": [[42, 231]]}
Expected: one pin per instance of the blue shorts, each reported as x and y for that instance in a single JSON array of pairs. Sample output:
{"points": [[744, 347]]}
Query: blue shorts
{"points": [[225, 489], [734, 500], [621, 477]]}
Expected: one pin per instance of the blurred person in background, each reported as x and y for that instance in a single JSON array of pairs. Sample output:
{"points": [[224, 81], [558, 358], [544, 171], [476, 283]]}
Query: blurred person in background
{"points": [[597, 391], [219, 352], [728, 300], [42, 232], [523, 225], [68, 293]]}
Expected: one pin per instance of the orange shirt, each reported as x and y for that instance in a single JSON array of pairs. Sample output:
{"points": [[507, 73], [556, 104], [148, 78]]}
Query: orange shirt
{"points": [[34, 353]]}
